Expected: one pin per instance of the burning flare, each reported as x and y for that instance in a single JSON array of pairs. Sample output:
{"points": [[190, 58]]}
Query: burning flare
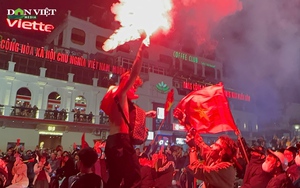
{"points": [[137, 16]]}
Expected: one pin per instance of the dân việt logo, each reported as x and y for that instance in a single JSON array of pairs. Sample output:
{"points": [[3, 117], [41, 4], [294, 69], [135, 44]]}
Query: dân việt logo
{"points": [[30, 14]]}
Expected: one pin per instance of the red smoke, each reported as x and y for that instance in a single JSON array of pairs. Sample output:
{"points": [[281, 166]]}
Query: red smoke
{"points": [[196, 18]]}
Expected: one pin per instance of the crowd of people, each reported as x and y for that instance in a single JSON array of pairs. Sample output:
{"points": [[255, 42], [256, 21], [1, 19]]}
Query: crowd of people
{"points": [[45, 168], [24, 109], [160, 165]]}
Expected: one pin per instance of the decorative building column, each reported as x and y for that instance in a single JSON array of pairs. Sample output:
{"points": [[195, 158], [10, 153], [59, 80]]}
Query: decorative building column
{"points": [[6, 89], [69, 103], [97, 106], [43, 72], [203, 70], [42, 100], [95, 82], [70, 77], [7, 110], [71, 116], [11, 66], [10, 95]]}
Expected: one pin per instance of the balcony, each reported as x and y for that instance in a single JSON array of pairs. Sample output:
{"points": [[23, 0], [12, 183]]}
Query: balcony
{"points": [[21, 117]]}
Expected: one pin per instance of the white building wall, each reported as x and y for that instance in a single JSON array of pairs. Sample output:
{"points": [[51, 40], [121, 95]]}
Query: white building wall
{"points": [[68, 139], [29, 137], [40, 93]]}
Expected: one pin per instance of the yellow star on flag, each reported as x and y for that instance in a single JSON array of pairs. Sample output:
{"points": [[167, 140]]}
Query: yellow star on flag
{"points": [[201, 111]]}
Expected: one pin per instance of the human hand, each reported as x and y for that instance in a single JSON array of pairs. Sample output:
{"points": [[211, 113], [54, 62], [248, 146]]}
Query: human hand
{"points": [[151, 114], [190, 140]]}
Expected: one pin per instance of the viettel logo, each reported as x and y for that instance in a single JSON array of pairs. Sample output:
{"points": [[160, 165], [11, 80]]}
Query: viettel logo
{"points": [[162, 87], [29, 13]]}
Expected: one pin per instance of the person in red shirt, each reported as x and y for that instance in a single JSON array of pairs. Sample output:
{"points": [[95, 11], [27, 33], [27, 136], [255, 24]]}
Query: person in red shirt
{"points": [[42, 169]]}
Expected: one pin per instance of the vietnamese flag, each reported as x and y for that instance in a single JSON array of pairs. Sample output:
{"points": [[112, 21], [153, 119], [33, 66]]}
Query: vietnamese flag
{"points": [[84, 144], [206, 110], [169, 101]]}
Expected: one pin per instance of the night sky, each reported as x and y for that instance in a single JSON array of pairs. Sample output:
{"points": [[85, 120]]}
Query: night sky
{"points": [[259, 44]]}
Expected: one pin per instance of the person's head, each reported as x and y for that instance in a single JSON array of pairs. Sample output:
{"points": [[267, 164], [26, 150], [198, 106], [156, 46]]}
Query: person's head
{"points": [[59, 153], [42, 159], [257, 152], [59, 148], [76, 157], [65, 156], [87, 158], [224, 148], [290, 153], [18, 157], [53, 156], [9, 151], [28, 152], [137, 151], [131, 93], [275, 162]]}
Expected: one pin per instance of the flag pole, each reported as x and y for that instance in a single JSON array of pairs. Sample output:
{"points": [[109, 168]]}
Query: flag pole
{"points": [[239, 135], [161, 124]]}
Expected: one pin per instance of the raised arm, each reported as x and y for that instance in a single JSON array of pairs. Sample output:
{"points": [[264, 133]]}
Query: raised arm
{"points": [[134, 73]]}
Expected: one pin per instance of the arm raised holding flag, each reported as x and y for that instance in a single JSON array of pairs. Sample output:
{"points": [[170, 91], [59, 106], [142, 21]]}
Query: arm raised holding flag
{"points": [[207, 111]]}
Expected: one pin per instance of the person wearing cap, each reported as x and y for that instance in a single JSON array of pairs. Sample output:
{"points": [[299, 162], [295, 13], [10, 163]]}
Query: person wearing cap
{"points": [[254, 175], [217, 170], [276, 164], [293, 170], [19, 172]]}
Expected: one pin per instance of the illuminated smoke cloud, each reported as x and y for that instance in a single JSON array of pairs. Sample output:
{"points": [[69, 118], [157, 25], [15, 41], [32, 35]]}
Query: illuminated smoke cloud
{"points": [[194, 20], [260, 46]]}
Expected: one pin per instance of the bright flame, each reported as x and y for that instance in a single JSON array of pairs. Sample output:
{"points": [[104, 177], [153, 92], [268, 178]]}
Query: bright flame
{"points": [[136, 16]]}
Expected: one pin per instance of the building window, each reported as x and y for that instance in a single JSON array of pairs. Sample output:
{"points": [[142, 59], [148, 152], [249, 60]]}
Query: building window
{"points": [[78, 36], [126, 63], [209, 72], [166, 59]]}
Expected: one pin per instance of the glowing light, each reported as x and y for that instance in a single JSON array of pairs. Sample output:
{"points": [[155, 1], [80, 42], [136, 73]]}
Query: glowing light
{"points": [[136, 16], [50, 133]]}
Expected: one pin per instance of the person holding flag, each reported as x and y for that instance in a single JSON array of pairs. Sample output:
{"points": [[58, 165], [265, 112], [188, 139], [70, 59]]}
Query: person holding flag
{"points": [[217, 170], [207, 111]]}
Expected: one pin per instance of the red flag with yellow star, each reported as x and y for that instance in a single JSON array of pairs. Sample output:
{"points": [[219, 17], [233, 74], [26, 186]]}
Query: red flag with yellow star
{"points": [[169, 101], [206, 110]]}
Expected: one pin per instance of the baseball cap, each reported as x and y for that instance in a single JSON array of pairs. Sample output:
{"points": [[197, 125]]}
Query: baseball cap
{"points": [[280, 156], [292, 149], [258, 149]]}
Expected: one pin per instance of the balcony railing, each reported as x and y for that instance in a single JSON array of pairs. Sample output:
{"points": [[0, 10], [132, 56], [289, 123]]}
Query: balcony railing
{"points": [[34, 113]]}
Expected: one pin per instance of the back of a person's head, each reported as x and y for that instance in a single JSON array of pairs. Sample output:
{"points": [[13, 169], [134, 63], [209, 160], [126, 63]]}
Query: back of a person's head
{"points": [[87, 157]]}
